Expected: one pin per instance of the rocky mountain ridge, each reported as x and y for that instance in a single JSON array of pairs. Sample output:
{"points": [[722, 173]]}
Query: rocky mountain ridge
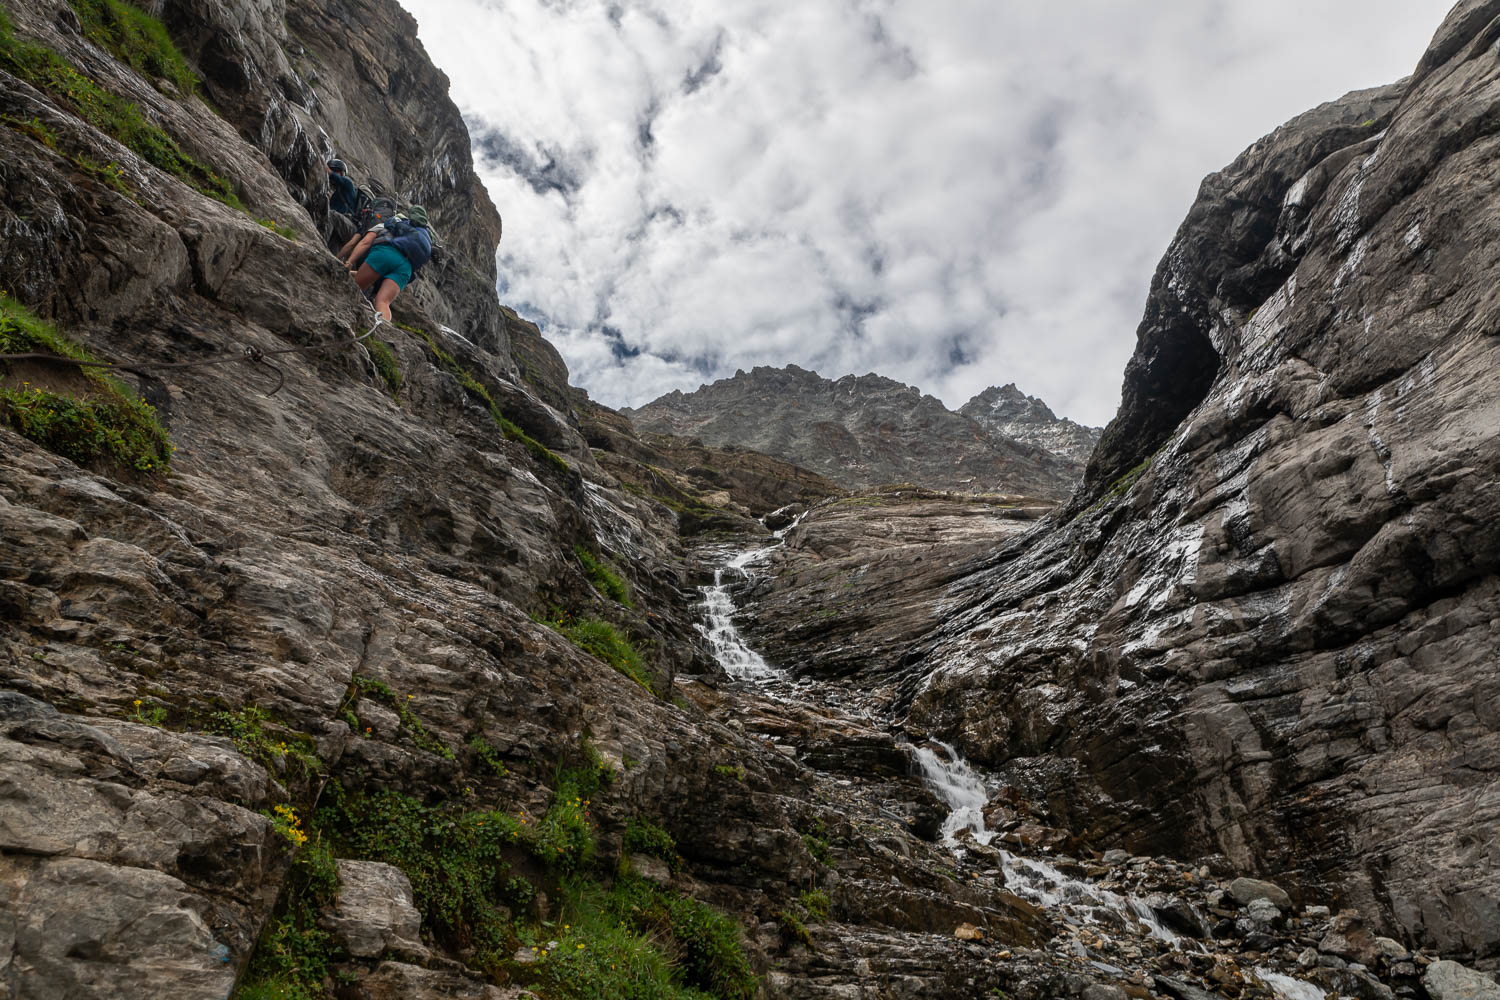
{"points": [[862, 431], [1008, 412]]}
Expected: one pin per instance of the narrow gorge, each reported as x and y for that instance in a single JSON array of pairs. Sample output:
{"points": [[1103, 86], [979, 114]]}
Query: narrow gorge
{"points": [[373, 660]]}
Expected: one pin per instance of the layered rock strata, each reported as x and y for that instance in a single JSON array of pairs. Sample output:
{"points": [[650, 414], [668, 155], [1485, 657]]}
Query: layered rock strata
{"points": [[1265, 628]]}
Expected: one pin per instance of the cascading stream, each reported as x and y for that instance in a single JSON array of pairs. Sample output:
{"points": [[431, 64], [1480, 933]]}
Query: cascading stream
{"points": [[1289, 988], [729, 647], [964, 792], [953, 780], [738, 659]]}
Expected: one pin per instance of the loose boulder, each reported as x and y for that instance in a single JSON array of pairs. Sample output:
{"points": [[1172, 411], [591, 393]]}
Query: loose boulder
{"points": [[1247, 890], [1451, 981]]}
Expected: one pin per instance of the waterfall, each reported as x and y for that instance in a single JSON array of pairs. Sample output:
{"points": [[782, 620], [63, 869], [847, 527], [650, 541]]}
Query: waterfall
{"points": [[738, 659], [955, 782], [729, 647], [964, 792]]}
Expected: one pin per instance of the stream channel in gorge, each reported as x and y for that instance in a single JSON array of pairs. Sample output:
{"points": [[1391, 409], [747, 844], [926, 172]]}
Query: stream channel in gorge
{"points": [[1101, 927]]}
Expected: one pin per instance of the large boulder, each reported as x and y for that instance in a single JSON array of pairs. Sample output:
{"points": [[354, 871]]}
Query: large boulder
{"points": [[373, 912], [1451, 981]]}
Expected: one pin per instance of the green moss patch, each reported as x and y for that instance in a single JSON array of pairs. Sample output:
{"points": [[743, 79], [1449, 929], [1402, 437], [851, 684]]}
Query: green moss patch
{"points": [[385, 363], [121, 119], [1120, 487], [603, 577], [136, 39], [97, 420]]}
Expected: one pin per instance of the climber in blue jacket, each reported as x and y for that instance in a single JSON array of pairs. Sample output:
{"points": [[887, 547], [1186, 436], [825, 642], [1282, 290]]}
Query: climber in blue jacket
{"points": [[344, 194], [395, 257]]}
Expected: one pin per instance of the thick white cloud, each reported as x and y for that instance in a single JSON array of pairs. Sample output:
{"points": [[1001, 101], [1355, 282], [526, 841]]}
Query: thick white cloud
{"points": [[953, 193]]}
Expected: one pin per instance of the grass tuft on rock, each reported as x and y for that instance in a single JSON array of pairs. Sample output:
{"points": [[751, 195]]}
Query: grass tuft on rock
{"points": [[293, 956], [638, 940], [565, 835], [603, 577], [603, 641], [47, 70], [411, 724], [475, 388], [285, 232], [703, 943], [284, 753], [106, 423], [385, 363], [644, 837], [136, 39]]}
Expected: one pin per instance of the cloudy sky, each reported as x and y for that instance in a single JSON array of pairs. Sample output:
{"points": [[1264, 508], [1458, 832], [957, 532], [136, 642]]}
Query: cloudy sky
{"points": [[952, 193]]}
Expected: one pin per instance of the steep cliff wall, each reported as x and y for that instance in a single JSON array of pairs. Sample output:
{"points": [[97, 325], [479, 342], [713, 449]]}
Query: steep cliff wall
{"points": [[1266, 626], [401, 612]]}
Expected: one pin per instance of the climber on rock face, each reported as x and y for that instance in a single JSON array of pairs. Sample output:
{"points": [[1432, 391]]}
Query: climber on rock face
{"points": [[370, 216], [354, 251], [395, 257], [344, 194]]}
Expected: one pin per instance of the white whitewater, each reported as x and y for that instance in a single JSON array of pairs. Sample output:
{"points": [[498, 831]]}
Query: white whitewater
{"points": [[955, 782], [729, 647], [738, 659], [1289, 988]]}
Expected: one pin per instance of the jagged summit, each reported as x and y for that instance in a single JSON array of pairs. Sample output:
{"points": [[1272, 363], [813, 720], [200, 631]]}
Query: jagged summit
{"points": [[1008, 412], [864, 430]]}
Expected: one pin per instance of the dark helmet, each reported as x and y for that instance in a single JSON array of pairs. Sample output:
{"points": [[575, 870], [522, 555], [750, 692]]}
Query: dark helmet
{"points": [[337, 166]]}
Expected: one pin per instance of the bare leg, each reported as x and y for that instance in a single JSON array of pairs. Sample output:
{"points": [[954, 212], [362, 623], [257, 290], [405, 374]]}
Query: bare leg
{"points": [[365, 277], [383, 298]]}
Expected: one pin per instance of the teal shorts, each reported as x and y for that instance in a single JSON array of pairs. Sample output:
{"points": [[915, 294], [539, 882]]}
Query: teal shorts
{"points": [[388, 262]]}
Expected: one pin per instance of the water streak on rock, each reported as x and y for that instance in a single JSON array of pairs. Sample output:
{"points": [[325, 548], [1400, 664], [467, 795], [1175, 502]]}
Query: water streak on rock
{"points": [[956, 783]]}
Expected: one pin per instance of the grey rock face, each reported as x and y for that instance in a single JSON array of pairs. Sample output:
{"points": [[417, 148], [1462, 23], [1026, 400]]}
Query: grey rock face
{"points": [[373, 911], [1007, 412], [1451, 981], [124, 870], [858, 431], [1269, 617], [863, 576]]}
